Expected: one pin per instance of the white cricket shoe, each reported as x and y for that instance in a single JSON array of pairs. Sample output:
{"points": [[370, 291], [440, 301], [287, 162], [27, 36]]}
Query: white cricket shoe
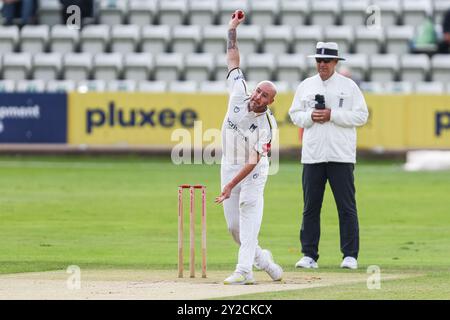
{"points": [[239, 278], [349, 263], [307, 263], [273, 270]]}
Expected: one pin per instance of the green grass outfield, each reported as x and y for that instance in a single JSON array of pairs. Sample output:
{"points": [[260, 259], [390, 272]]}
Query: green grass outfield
{"points": [[110, 212]]}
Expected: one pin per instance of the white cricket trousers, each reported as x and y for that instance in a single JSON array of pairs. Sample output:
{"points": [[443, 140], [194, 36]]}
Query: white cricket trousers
{"points": [[244, 212]]}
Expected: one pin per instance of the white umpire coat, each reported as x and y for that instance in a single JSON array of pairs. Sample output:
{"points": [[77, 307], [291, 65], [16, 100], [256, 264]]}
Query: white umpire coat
{"points": [[335, 140]]}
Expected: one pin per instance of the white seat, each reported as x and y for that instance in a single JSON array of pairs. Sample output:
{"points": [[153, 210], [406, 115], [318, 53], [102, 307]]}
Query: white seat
{"points": [[155, 39], [16, 66], [172, 12], [372, 87], [439, 9], [448, 88], [306, 38], [219, 86], [277, 39], [203, 12], [358, 64], [383, 67], [433, 87], [228, 7], [77, 66], [185, 39], [112, 12], [342, 35], [152, 86], [220, 71], [324, 12], [142, 12], [7, 85], [260, 67], [400, 87], [353, 12], [91, 86], [36, 85], [138, 66], [107, 66], [440, 68], [60, 86], [34, 39], [94, 38], [183, 86], [414, 67], [121, 85], [310, 67], [294, 12], [124, 38], [63, 39], [249, 38], [198, 66], [49, 12], [168, 67], [9, 37], [368, 40], [283, 86], [264, 12], [415, 11], [389, 11], [214, 39], [398, 39], [290, 67], [47, 66]]}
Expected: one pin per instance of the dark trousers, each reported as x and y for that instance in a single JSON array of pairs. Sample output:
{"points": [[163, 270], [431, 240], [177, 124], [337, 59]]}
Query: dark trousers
{"points": [[314, 179]]}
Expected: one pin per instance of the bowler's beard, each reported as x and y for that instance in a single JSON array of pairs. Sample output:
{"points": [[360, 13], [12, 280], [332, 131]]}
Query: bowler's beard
{"points": [[252, 106]]}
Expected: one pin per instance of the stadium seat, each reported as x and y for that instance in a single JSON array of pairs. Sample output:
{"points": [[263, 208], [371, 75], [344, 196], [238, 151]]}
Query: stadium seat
{"points": [[185, 39], [121, 85], [310, 67], [226, 8], [415, 11], [155, 39], [219, 86], [91, 86], [202, 12], [294, 12], [112, 12], [305, 39], [439, 8], [342, 35], [398, 39], [249, 39], [433, 87], [414, 67], [353, 12], [398, 87], [107, 66], [95, 38], [214, 39], [63, 39], [36, 85], [49, 12], [358, 65], [290, 67], [440, 68], [168, 67], [448, 88], [183, 86], [60, 86], [220, 70], [324, 12], [389, 11], [368, 40], [260, 66], [47, 66], [198, 66], [125, 38], [77, 66], [16, 66], [7, 86], [34, 39], [152, 86], [142, 12], [282, 86], [264, 12], [277, 39], [137, 66], [9, 38], [172, 12], [371, 87], [383, 67]]}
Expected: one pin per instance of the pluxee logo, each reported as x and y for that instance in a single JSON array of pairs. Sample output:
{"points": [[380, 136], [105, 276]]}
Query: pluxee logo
{"points": [[137, 117], [442, 122]]}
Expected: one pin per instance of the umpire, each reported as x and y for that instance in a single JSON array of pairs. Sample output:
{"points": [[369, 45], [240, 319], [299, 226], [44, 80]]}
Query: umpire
{"points": [[329, 107]]}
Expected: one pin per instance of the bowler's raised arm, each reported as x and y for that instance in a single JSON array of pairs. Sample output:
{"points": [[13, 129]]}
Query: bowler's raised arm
{"points": [[232, 49]]}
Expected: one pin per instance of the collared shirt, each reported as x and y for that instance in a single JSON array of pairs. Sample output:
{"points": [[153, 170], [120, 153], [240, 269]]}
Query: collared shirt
{"points": [[244, 130], [335, 140]]}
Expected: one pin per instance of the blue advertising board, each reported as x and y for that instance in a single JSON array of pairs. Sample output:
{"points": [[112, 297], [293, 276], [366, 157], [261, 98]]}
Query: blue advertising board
{"points": [[33, 118]]}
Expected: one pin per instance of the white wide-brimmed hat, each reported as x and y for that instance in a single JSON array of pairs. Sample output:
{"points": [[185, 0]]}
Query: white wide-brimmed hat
{"points": [[327, 50]]}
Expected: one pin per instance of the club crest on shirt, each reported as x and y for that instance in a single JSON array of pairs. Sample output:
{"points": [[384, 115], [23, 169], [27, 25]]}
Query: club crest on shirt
{"points": [[255, 176], [236, 109]]}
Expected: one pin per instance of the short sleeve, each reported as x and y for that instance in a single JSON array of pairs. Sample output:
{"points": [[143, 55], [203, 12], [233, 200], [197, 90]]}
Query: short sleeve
{"points": [[236, 82]]}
